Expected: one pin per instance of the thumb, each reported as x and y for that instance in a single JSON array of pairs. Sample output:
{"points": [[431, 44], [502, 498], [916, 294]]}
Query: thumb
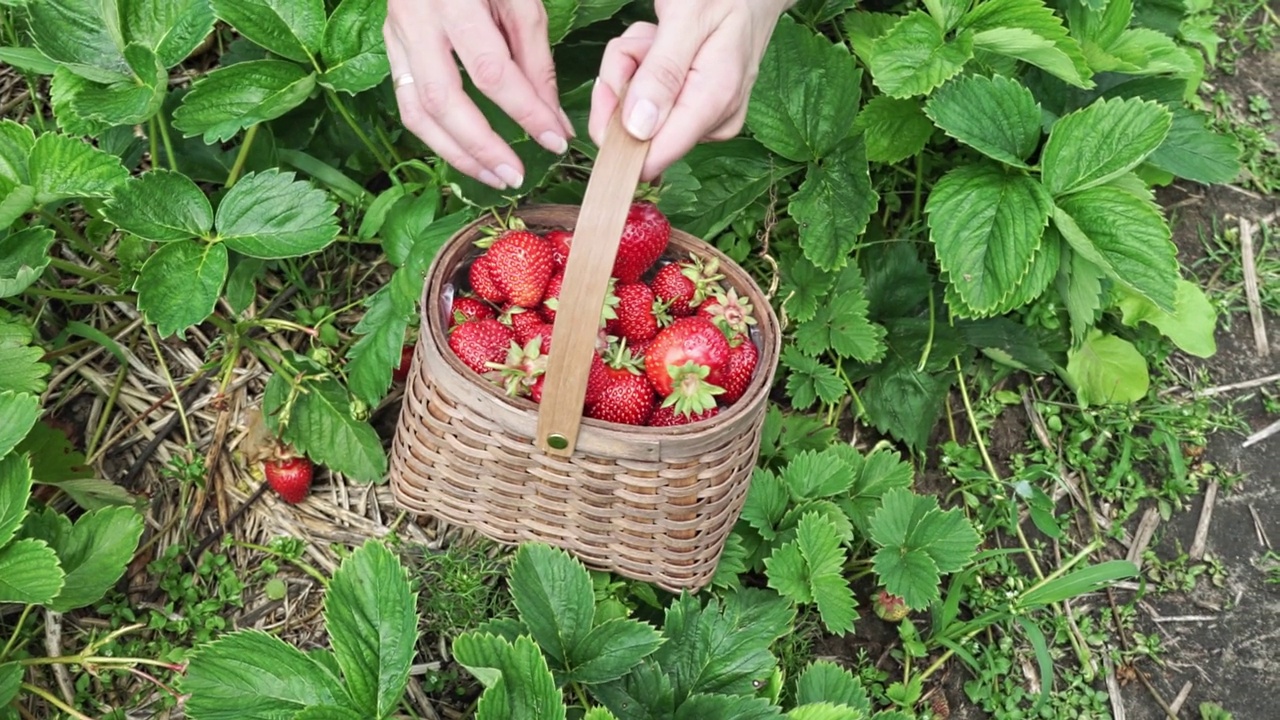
{"points": [[660, 78]]}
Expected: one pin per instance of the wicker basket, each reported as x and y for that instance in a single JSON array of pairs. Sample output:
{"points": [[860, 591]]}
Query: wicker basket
{"points": [[654, 504]]}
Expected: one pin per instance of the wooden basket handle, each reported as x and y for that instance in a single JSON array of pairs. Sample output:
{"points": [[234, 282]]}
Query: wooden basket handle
{"points": [[610, 190]]}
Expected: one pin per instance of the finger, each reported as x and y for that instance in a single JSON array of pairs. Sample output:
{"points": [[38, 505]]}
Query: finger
{"points": [[622, 56], [485, 54], [661, 77], [730, 128], [711, 98], [525, 25], [418, 122]]}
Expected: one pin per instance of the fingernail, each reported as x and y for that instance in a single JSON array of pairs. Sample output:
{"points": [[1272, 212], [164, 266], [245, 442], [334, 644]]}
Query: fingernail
{"points": [[491, 180], [642, 120], [509, 175], [553, 142]]}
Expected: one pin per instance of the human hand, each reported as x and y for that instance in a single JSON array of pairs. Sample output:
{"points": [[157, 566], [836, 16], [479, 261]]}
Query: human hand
{"points": [[503, 46], [690, 75]]}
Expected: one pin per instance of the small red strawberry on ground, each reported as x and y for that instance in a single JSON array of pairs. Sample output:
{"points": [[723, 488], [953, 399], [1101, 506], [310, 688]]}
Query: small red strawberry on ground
{"points": [[523, 366], [740, 368], [889, 608], [644, 238], [481, 278], [639, 312], [561, 242], [401, 373], [521, 265], [480, 342], [684, 363], [466, 308], [627, 397], [730, 312], [684, 285], [290, 477], [666, 416]]}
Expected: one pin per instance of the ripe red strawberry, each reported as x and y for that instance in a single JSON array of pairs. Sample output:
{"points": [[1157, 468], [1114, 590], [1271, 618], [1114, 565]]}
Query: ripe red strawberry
{"points": [[535, 390], [290, 477], [644, 239], [684, 285], [627, 397], [468, 308], [479, 342], [729, 312], [608, 313], [597, 379], [481, 278], [521, 265], [561, 242], [641, 348], [738, 371], [522, 321], [551, 299], [639, 312], [684, 361], [524, 365], [401, 373], [666, 416]]}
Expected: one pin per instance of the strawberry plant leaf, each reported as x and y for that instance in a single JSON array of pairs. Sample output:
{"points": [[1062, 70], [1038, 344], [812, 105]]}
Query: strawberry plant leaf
{"points": [[738, 707], [804, 286], [172, 28], [28, 60], [810, 569], [986, 224], [1101, 142], [599, 713], [518, 683], [374, 357], [820, 11], [15, 487], [1107, 369], [914, 57], [1030, 31], [322, 426], [787, 574], [355, 57], [269, 215], [15, 202], [918, 542], [731, 175], [20, 366], [232, 98], [180, 284], [879, 472], [806, 97], [833, 206], [292, 29], [250, 674], [808, 380], [1190, 326], [54, 461], [10, 681], [1125, 235], [64, 88], [328, 712], [591, 12], [62, 167], [80, 35], [93, 552], [29, 572], [841, 323], [126, 102], [16, 141], [864, 28], [1079, 285], [1099, 28], [996, 116], [1143, 51], [766, 503], [1194, 152], [825, 711], [560, 18], [825, 681], [893, 129], [611, 650], [811, 475], [161, 206], [947, 13], [23, 257], [646, 692], [553, 593], [904, 402], [370, 612]]}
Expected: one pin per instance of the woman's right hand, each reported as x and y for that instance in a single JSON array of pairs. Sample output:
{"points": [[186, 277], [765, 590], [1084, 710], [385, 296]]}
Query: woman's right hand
{"points": [[503, 46]]}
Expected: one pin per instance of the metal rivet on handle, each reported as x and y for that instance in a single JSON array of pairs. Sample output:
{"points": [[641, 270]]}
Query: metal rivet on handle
{"points": [[557, 441]]}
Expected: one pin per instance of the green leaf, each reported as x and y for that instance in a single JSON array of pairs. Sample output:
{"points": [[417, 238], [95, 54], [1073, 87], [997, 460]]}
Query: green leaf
{"points": [[29, 573], [833, 206], [355, 57], [811, 475], [806, 96], [820, 11], [30, 60], [1107, 369], [250, 675], [881, 471], [161, 206], [986, 224], [23, 257], [20, 366], [893, 129], [611, 650], [328, 712], [804, 286], [904, 402], [232, 98], [732, 175], [599, 713], [15, 489], [270, 215], [1030, 31], [808, 380], [1101, 142], [766, 503], [703, 706], [841, 324], [1079, 284], [15, 203], [64, 88], [1126, 236], [1099, 28], [293, 29], [825, 711], [1143, 51], [93, 553], [1077, 583], [63, 167], [1190, 326], [10, 682], [824, 681], [126, 102], [918, 542], [865, 28], [553, 593], [914, 58], [321, 425], [1027, 46], [82, 35], [180, 284], [172, 28], [810, 569], [1192, 151], [16, 142], [594, 11], [519, 685], [560, 17], [20, 411], [55, 462], [996, 116], [370, 612]]}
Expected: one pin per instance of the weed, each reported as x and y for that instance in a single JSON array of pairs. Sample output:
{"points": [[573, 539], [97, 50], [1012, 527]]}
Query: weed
{"points": [[460, 588]]}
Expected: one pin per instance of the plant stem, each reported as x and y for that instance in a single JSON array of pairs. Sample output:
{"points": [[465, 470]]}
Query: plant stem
{"points": [[54, 701], [168, 142], [94, 660], [78, 297], [17, 630], [173, 388], [153, 139], [243, 155], [928, 343], [304, 567], [360, 133], [106, 411], [582, 695]]}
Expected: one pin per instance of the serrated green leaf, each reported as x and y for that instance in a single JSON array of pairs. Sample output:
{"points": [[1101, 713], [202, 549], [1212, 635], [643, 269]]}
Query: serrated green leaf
{"points": [[370, 613], [553, 593], [825, 711], [16, 141], [93, 552], [804, 287], [270, 215], [996, 116], [322, 426], [20, 367], [918, 541], [180, 284], [811, 475], [833, 206], [1079, 284], [1101, 142], [1099, 27], [893, 129], [28, 59], [81, 35], [599, 713], [1029, 47], [376, 354], [611, 650], [809, 569], [808, 380], [841, 324], [836, 605], [250, 675], [1143, 51], [1190, 326], [64, 87], [703, 706], [63, 167], [986, 224], [732, 175], [126, 102], [15, 202], [560, 17], [23, 257], [55, 462], [29, 573], [234, 97], [824, 681], [820, 11], [328, 712], [1107, 369], [355, 58], [1029, 31], [910, 574], [1127, 236], [15, 488], [161, 206], [172, 28], [766, 503], [1194, 152], [881, 471], [10, 682], [293, 29], [594, 11], [806, 96], [914, 57], [515, 674], [20, 411]]}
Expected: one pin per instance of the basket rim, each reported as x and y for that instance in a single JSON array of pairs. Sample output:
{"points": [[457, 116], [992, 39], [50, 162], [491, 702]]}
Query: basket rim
{"points": [[770, 343]]}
